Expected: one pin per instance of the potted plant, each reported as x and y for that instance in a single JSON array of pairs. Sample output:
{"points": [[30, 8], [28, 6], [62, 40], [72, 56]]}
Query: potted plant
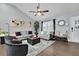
{"points": [[36, 27], [3, 33]]}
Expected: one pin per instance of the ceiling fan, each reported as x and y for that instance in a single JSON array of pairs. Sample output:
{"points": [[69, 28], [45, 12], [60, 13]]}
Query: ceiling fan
{"points": [[39, 12]]}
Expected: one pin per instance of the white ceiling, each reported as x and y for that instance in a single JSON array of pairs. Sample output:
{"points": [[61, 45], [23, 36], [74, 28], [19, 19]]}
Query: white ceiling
{"points": [[55, 9]]}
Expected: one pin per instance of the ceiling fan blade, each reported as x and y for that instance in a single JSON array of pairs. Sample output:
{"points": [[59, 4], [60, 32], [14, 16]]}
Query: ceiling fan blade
{"points": [[32, 11], [45, 11]]}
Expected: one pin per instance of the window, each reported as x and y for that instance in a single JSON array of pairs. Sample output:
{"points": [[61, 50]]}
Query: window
{"points": [[47, 26]]}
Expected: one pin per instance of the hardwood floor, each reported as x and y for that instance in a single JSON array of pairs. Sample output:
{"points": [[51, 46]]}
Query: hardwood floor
{"points": [[59, 48], [2, 51]]}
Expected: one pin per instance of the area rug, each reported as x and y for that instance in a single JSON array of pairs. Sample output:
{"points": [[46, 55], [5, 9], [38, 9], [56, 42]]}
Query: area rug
{"points": [[37, 48]]}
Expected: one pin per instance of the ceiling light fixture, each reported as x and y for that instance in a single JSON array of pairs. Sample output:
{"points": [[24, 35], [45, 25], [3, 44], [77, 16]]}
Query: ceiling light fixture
{"points": [[39, 12]]}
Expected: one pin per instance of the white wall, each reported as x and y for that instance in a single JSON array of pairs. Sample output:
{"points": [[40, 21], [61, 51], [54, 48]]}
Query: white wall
{"points": [[60, 30], [8, 12], [74, 35]]}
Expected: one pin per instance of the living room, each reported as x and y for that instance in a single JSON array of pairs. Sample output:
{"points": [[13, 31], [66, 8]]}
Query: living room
{"points": [[33, 29]]}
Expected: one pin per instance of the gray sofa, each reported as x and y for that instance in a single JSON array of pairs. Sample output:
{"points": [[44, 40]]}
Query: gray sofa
{"points": [[16, 49], [9, 38]]}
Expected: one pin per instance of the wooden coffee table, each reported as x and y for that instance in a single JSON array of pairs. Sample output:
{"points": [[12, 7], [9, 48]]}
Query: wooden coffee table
{"points": [[33, 40]]}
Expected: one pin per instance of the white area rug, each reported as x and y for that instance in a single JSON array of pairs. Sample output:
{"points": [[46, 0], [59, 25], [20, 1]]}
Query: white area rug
{"points": [[37, 48]]}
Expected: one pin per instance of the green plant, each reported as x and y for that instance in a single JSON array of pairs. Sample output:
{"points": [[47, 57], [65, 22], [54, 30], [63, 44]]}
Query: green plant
{"points": [[36, 26], [3, 33]]}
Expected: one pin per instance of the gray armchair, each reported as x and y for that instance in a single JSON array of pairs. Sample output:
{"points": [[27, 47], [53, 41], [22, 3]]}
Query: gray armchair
{"points": [[16, 49]]}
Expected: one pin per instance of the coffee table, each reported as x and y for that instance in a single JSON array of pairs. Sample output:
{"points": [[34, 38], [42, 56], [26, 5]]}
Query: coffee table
{"points": [[33, 40]]}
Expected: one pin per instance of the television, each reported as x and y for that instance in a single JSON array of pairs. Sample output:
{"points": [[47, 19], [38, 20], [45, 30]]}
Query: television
{"points": [[18, 33]]}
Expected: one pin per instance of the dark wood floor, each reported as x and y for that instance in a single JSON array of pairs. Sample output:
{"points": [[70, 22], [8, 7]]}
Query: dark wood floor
{"points": [[59, 48], [2, 51]]}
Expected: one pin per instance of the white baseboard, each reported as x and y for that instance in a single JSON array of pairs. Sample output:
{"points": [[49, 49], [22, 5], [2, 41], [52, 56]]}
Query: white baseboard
{"points": [[73, 41]]}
